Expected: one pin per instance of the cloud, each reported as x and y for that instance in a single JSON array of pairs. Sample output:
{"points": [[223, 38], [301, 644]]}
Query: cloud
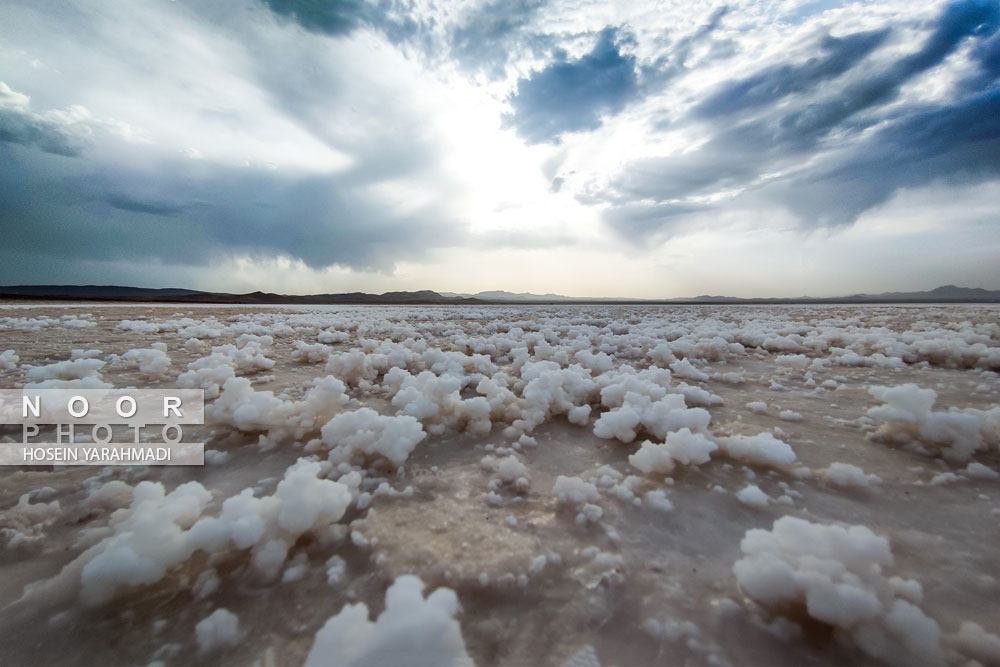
{"points": [[960, 19], [342, 17], [661, 179], [336, 17], [987, 56], [772, 84], [128, 203], [572, 95], [343, 139], [641, 222], [958, 143], [114, 212], [60, 133], [84, 193], [490, 35], [674, 62], [828, 156]]}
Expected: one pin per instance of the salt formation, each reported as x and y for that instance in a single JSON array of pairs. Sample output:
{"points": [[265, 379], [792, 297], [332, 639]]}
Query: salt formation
{"points": [[262, 412], [958, 434], [589, 468], [23, 526], [269, 526], [574, 490], [980, 644], [681, 446], [582, 496], [845, 474], [147, 542], [413, 630], [73, 373], [217, 631], [224, 362], [436, 400], [835, 575], [761, 449], [316, 353], [659, 417], [8, 360], [752, 495], [152, 362], [367, 434], [161, 530]]}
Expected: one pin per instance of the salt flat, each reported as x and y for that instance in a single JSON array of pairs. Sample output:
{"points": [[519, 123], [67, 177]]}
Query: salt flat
{"points": [[731, 485]]}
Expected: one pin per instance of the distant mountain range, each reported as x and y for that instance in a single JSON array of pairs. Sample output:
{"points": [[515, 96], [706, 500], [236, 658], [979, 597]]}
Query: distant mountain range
{"points": [[500, 295], [944, 294], [143, 294]]}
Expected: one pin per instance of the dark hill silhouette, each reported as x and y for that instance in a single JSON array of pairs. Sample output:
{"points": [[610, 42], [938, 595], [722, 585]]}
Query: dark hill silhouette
{"points": [[943, 294]]}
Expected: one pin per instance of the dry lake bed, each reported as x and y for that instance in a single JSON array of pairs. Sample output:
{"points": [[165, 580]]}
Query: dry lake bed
{"points": [[517, 486]]}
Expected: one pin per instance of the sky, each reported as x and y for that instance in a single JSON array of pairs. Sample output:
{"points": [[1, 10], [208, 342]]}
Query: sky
{"points": [[643, 149]]}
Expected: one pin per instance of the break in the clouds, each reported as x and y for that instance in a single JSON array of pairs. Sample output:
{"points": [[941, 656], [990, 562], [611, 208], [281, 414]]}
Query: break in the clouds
{"points": [[581, 148], [574, 95]]}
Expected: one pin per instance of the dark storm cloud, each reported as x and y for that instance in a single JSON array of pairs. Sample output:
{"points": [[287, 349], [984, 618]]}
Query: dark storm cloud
{"points": [[796, 121], [341, 17], [127, 203], [76, 191], [987, 56], [187, 213], [668, 178], [959, 143], [774, 83], [20, 126], [960, 20], [572, 95], [335, 17]]}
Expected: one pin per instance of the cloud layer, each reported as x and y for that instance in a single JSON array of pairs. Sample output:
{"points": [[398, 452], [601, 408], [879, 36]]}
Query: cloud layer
{"points": [[407, 140]]}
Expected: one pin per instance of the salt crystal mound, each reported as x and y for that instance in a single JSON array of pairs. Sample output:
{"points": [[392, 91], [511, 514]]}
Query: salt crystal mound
{"points": [[71, 321], [752, 495], [70, 374], [982, 645], [217, 631], [956, 434], [22, 527], [225, 361], [160, 530], [367, 435], [315, 353], [436, 401], [152, 362], [251, 411], [413, 630], [848, 475], [574, 490], [659, 417], [8, 360], [835, 575], [681, 446], [760, 449]]}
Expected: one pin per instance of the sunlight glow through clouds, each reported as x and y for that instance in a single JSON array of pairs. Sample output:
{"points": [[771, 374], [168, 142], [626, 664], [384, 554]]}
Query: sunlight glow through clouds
{"points": [[647, 150]]}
